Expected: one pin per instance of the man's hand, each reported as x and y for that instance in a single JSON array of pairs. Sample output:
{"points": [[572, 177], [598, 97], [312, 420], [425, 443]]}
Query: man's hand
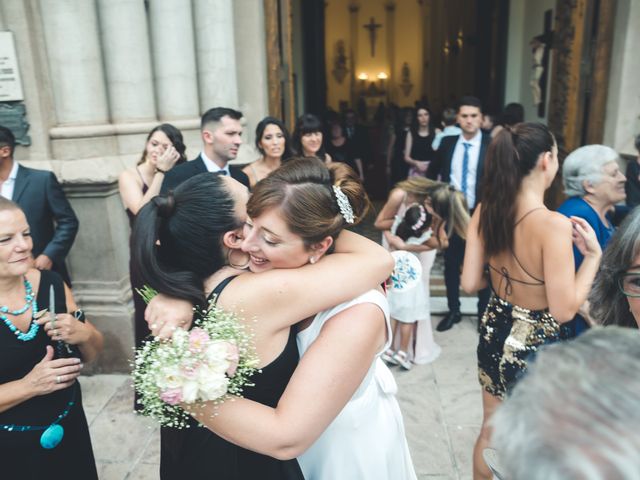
{"points": [[43, 262]]}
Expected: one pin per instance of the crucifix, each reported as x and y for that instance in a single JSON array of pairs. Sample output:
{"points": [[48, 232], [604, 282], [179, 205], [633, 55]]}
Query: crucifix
{"points": [[372, 26]]}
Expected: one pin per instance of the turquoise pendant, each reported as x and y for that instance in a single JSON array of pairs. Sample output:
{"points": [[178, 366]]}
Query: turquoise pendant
{"points": [[52, 436]]}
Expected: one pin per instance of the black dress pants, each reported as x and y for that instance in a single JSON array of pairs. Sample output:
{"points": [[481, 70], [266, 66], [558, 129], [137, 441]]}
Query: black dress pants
{"points": [[453, 259]]}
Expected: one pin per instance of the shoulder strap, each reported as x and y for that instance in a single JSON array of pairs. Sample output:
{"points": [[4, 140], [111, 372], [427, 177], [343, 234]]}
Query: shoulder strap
{"points": [[527, 214], [141, 177], [221, 286]]}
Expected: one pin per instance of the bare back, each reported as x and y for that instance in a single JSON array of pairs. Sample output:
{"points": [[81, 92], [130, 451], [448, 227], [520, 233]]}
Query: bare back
{"points": [[517, 275]]}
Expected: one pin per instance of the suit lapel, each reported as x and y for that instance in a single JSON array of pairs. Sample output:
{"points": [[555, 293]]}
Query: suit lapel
{"points": [[199, 165], [22, 178]]}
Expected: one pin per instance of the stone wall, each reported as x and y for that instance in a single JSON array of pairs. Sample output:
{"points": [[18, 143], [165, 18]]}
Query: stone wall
{"points": [[98, 76]]}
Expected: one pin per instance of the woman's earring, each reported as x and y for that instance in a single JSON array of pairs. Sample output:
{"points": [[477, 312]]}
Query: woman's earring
{"points": [[239, 265], [312, 260]]}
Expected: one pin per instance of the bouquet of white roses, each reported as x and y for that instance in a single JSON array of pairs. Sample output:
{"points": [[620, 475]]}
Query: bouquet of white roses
{"points": [[210, 362]]}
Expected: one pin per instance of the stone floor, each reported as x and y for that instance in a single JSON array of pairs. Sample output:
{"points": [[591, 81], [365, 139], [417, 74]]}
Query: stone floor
{"points": [[440, 403]]}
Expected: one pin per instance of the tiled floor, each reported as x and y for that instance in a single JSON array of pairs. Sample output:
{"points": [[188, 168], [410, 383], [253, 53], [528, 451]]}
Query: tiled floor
{"points": [[440, 403]]}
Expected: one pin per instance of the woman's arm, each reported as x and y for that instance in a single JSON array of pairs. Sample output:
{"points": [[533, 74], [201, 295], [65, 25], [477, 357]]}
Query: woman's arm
{"points": [[131, 190], [567, 290], [47, 376], [386, 217], [285, 296], [324, 381], [290, 295], [473, 277], [398, 244]]}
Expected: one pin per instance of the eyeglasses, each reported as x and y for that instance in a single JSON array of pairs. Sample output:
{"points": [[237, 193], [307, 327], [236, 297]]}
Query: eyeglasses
{"points": [[629, 284]]}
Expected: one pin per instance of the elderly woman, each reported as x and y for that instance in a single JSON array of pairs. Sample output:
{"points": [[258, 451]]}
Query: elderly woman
{"points": [[615, 296], [594, 184], [43, 429]]}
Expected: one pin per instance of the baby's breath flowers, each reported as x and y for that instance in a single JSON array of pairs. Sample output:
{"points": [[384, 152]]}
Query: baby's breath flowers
{"points": [[211, 362]]}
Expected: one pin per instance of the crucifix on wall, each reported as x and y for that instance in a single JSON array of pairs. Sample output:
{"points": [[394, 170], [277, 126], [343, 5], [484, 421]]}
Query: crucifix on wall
{"points": [[372, 26]]}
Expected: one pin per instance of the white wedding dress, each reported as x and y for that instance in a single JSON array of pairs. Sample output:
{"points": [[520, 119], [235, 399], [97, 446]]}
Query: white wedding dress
{"points": [[366, 441]]}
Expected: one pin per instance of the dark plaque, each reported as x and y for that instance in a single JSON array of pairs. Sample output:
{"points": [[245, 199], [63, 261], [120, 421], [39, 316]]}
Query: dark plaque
{"points": [[13, 115]]}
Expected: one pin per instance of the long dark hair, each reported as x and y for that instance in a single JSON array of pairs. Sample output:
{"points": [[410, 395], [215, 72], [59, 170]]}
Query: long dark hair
{"points": [[415, 221], [263, 124], [308, 123], [175, 137], [177, 238], [510, 157]]}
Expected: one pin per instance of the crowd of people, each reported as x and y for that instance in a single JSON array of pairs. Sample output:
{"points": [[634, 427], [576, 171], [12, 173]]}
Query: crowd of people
{"points": [[257, 238]]}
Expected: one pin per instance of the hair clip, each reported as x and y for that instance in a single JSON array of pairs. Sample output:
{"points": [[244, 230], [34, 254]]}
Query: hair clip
{"points": [[343, 204], [420, 222]]}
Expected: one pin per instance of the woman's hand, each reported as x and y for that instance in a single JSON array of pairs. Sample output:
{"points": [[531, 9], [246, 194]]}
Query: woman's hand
{"points": [[66, 328], [49, 375], [584, 238], [168, 159], [164, 314]]}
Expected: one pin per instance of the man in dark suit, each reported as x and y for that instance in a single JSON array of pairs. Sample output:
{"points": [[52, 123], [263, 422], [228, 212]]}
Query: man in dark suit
{"points": [[460, 161], [52, 222], [221, 136]]}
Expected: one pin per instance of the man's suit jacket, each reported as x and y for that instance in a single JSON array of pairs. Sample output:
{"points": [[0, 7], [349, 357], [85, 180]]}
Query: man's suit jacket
{"points": [[53, 223], [186, 170], [441, 165]]}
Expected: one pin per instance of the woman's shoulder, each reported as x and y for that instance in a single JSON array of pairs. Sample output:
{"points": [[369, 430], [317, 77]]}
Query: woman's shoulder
{"points": [[130, 175], [374, 296]]}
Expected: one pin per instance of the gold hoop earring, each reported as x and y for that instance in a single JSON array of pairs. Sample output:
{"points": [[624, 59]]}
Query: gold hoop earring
{"points": [[241, 265]]}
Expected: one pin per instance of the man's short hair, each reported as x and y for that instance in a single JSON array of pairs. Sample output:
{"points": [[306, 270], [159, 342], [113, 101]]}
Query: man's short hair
{"points": [[575, 414], [7, 138], [214, 115], [469, 101]]}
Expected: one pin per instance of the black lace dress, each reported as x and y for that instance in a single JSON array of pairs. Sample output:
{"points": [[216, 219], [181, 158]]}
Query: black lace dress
{"points": [[197, 453]]}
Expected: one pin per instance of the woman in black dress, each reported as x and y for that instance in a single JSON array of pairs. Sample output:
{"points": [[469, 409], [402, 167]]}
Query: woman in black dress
{"points": [[417, 149], [210, 210], [43, 429], [163, 150]]}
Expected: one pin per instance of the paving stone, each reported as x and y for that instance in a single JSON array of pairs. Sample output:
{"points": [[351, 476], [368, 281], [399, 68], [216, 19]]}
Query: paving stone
{"points": [[113, 471], [117, 437], [97, 390], [461, 403], [145, 471], [462, 441]]}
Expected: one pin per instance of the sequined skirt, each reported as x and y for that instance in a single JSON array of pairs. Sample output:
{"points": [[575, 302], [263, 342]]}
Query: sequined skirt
{"points": [[509, 338]]}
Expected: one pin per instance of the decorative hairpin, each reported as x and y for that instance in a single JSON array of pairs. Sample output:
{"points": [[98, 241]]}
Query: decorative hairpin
{"points": [[343, 204], [420, 222]]}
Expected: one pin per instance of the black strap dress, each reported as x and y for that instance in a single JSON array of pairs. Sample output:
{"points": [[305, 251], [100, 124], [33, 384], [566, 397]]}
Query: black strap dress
{"points": [[198, 453], [22, 455]]}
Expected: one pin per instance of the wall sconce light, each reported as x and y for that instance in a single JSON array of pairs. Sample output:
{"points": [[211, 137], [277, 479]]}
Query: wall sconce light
{"points": [[368, 85]]}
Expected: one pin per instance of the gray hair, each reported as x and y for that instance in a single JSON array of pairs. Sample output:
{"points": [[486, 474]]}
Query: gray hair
{"points": [[608, 305], [585, 163], [575, 414]]}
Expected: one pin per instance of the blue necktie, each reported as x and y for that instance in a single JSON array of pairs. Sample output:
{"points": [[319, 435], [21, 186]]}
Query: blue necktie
{"points": [[222, 172], [465, 168]]}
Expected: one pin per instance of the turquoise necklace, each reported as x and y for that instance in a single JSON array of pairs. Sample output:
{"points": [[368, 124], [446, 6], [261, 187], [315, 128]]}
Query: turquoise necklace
{"points": [[53, 433], [30, 302]]}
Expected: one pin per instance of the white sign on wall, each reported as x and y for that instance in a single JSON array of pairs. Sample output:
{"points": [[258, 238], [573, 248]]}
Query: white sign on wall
{"points": [[10, 84]]}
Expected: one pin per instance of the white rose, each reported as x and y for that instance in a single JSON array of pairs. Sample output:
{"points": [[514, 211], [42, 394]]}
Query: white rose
{"points": [[169, 377], [212, 384], [216, 355], [190, 391]]}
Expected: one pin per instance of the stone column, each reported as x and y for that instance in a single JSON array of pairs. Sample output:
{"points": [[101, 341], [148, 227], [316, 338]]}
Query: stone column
{"points": [[251, 63], [125, 42], [215, 51], [75, 61], [174, 59]]}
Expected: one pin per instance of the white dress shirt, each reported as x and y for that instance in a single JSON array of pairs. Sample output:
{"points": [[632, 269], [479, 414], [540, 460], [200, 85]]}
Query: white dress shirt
{"points": [[213, 166], [456, 166], [9, 184]]}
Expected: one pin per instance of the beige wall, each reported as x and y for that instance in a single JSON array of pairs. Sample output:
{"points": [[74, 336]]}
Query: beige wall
{"points": [[526, 20], [407, 45]]}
